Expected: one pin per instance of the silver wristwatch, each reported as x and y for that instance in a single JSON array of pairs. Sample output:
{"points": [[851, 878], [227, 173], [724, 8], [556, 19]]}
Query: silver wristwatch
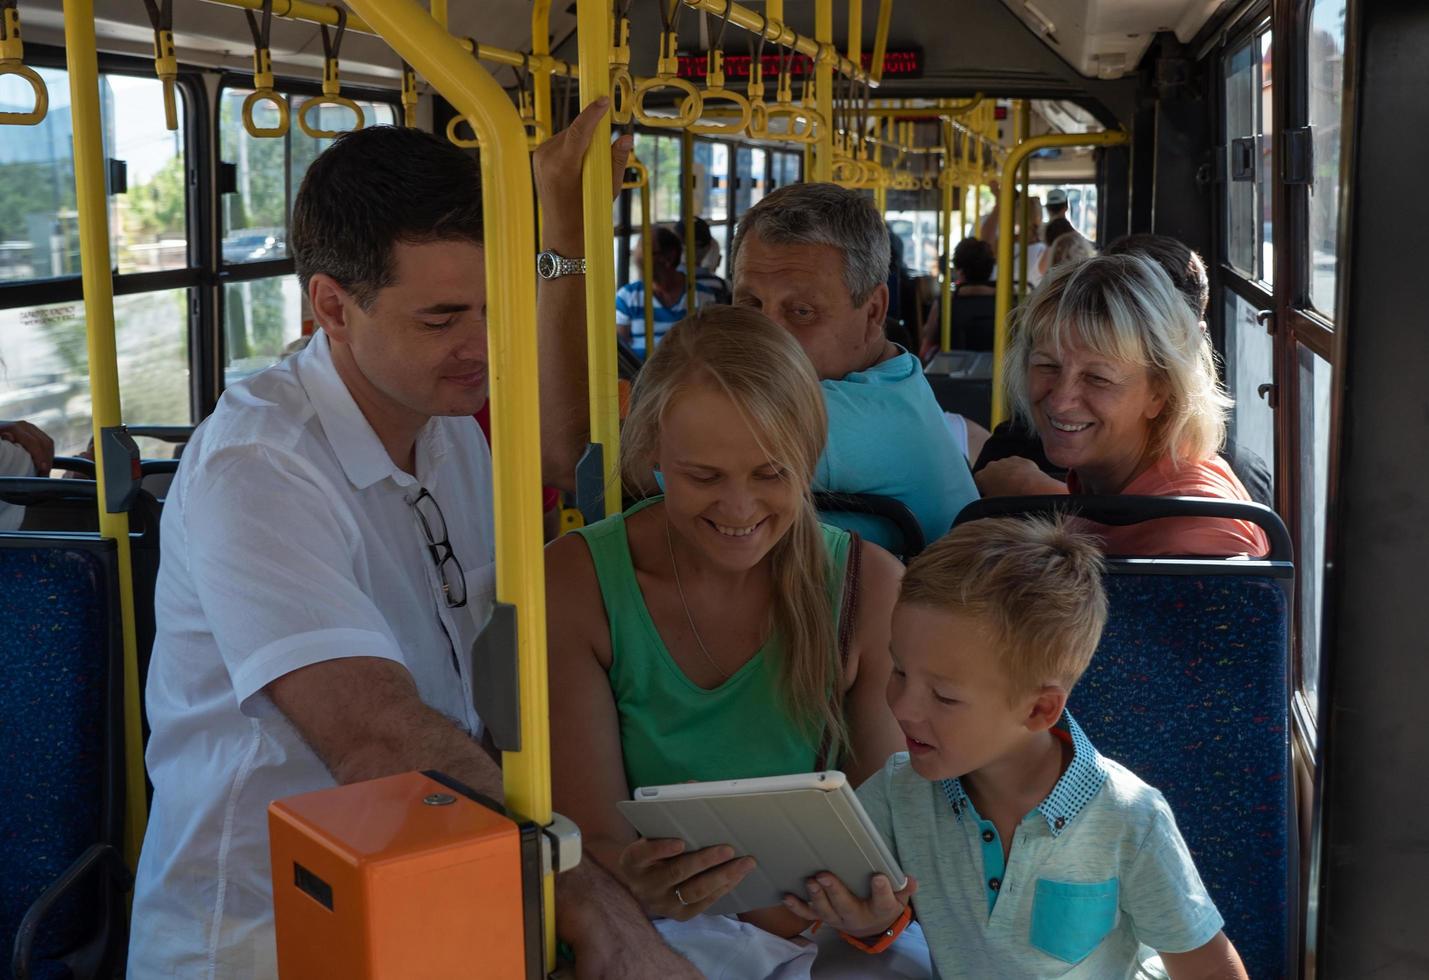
{"points": [[553, 265]]}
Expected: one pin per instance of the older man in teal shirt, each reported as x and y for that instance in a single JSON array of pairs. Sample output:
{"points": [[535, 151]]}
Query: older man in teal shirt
{"points": [[814, 259]]}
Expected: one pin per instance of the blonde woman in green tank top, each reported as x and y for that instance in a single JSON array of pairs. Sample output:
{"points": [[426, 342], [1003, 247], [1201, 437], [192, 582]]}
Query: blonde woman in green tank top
{"points": [[697, 635]]}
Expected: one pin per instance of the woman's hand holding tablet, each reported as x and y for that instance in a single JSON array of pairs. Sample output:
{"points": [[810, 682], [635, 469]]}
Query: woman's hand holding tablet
{"points": [[669, 883]]}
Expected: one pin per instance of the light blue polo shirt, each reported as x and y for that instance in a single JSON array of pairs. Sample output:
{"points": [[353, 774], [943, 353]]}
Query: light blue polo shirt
{"points": [[887, 435], [1097, 880]]}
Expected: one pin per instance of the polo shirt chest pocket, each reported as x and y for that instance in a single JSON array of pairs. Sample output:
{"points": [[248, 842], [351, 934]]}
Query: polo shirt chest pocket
{"points": [[1070, 919]]}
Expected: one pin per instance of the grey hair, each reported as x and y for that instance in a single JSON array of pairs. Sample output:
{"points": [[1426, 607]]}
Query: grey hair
{"points": [[823, 214], [1125, 308]]}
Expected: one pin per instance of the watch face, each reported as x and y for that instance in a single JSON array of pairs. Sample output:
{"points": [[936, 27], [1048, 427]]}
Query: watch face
{"points": [[546, 265]]}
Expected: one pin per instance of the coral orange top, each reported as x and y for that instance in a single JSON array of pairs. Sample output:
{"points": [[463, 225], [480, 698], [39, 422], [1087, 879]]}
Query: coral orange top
{"points": [[1211, 537]]}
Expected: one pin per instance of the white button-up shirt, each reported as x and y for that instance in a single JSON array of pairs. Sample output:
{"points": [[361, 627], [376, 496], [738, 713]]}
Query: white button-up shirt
{"points": [[288, 539]]}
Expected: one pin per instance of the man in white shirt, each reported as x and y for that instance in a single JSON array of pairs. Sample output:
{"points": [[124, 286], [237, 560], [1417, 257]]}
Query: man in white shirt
{"points": [[327, 553]]}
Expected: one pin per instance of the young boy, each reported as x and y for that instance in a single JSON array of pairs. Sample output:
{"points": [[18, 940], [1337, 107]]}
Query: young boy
{"points": [[1038, 857]]}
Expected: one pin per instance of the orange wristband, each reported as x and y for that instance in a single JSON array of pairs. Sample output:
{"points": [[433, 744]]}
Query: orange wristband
{"points": [[886, 938]]}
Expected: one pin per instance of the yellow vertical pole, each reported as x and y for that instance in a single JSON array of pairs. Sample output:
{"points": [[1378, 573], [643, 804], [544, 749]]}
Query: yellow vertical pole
{"points": [[1024, 129], [855, 32], [823, 151], [687, 217], [515, 415], [439, 13], [541, 80], [593, 29], [647, 264], [1004, 243], [945, 300], [880, 40], [82, 60]]}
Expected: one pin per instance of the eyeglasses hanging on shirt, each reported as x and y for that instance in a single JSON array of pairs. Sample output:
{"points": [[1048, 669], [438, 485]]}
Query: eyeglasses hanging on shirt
{"points": [[439, 546]]}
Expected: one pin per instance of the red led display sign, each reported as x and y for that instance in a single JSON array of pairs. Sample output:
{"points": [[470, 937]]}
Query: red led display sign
{"points": [[904, 63]]}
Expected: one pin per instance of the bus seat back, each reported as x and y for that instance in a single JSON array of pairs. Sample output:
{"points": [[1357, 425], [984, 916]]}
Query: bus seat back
{"points": [[1189, 690]]}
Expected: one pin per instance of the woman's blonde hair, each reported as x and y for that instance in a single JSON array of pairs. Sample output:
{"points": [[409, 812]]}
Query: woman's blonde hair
{"points": [[764, 371], [1070, 248], [1125, 308]]}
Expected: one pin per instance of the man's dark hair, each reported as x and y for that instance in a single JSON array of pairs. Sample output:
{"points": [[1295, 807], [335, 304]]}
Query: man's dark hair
{"points": [[372, 189], [1055, 229], [973, 257], [1182, 264], [703, 235]]}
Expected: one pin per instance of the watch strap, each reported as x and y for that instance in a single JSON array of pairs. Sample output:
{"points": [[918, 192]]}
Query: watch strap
{"points": [[877, 944]]}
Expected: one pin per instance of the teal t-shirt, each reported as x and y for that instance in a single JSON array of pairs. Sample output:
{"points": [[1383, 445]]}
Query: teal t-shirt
{"points": [[887, 436]]}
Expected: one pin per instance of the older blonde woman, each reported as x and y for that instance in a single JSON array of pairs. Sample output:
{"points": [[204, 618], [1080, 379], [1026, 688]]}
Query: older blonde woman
{"points": [[1119, 378], [718, 631]]}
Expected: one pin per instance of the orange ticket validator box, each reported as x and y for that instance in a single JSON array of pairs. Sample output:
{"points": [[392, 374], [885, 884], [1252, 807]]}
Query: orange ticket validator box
{"points": [[403, 877]]}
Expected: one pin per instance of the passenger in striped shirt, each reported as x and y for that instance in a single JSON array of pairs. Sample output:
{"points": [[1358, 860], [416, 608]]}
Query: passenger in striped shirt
{"points": [[670, 304]]}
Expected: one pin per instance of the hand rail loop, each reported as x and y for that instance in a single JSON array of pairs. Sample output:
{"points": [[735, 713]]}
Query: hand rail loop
{"points": [[714, 87], [667, 77], [332, 87], [166, 62], [409, 95], [263, 77], [622, 86], [12, 62]]}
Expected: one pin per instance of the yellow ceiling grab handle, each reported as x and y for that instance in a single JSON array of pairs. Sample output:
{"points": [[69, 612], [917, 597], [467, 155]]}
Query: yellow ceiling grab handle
{"points": [[332, 88], [668, 77], [263, 79], [12, 62], [715, 90], [457, 140], [642, 175], [166, 63], [622, 86], [409, 95], [803, 124]]}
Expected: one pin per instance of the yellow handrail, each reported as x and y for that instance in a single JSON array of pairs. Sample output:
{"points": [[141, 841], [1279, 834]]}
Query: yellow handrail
{"points": [[622, 86], [593, 27], [12, 62], [82, 60], [946, 181], [263, 78], [771, 25], [332, 86], [1004, 244], [515, 416], [166, 63], [541, 80], [667, 76], [647, 251], [409, 96], [824, 88], [715, 90]]}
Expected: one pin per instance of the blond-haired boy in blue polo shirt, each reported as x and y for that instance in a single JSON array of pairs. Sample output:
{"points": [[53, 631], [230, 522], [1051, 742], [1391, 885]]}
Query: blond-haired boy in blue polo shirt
{"points": [[1037, 857]]}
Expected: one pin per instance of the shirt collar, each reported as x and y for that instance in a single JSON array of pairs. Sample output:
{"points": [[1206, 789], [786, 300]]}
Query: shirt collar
{"points": [[364, 459], [1073, 791]]}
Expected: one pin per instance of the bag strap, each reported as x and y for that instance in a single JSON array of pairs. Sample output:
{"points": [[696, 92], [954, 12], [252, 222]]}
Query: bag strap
{"points": [[848, 621]]}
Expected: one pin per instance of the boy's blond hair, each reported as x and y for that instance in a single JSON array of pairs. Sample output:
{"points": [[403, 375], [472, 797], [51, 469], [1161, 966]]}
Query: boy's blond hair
{"points": [[1036, 585]]}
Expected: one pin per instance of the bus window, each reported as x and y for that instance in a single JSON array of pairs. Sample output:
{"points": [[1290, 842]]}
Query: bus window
{"points": [[45, 379], [148, 223], [1248, 153], [1250, 363], [1313, 396], [1325, 63], [260, 318]]}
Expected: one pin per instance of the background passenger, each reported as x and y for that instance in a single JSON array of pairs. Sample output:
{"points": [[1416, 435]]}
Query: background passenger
{"points": [[701, 634], [1119, 378], [1053, 230], [1028, 853], [671, 300], [25, 450], [974, 301], [706, 259], [1071, 248], [814, 259]]}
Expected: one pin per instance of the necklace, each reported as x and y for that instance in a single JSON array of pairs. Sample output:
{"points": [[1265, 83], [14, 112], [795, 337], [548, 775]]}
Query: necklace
{"points": [[670, 543]]}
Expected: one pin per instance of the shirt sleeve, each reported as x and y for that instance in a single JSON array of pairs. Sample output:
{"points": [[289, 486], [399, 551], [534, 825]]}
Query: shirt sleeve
{"points": [[876, 798], [1162, 894], [274, 564]]}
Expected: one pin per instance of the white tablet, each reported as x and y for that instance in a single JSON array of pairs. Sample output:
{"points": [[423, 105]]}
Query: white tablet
{"points": [[793, 826]]}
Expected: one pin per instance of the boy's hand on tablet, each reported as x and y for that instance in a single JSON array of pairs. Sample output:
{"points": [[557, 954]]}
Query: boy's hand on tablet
{"points": [[670, 883], [831, 902]]}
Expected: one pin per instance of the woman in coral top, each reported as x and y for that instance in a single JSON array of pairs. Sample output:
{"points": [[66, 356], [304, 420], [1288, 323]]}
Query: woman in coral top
{"points": [[1118, 376]]}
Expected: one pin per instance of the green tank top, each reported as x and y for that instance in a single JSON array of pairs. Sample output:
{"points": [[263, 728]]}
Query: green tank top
{"points": [[671, 729]]}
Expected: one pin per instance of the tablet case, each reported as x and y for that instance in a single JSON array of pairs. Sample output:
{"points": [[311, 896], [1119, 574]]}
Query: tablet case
{"points": [[794, 827]]}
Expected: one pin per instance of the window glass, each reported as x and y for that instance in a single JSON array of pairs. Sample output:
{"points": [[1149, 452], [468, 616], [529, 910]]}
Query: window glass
{"points": [[918, 231], [39, 225], [260, 318], [1240, 114], [1314, 399], [1250, 363], [661, 156], [148, 223], [751, 180], [45, 373], [269, 170], [1265, 142], [1326, 67]]}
